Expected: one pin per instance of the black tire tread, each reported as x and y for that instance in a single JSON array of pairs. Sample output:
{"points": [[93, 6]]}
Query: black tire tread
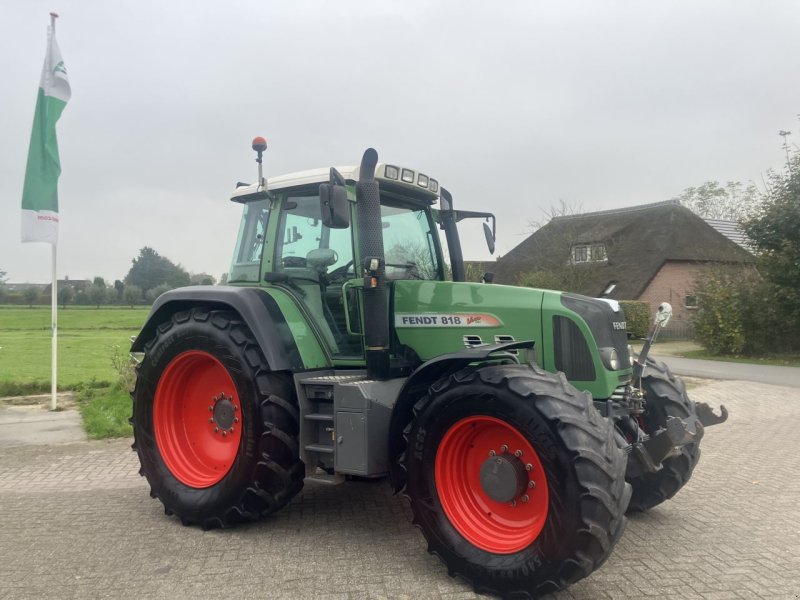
{"points": [[597, 460], [666, 396], [280, 426]]}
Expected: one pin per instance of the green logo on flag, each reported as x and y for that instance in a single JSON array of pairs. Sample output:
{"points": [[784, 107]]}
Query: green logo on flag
{"points": [[60, 68]]}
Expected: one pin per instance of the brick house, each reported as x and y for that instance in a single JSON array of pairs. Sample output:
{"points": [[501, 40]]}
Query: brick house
{"points": [[652, 252]]}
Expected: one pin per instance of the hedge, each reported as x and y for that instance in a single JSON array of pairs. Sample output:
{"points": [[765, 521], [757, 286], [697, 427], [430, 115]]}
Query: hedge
{"points": [[637, 315]]}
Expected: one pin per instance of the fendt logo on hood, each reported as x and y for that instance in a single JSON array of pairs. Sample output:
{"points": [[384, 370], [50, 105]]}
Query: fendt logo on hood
{"points": [[446, 320], [619, 325]]}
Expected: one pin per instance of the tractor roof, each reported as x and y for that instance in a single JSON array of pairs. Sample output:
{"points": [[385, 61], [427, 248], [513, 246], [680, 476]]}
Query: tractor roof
{"points": [[420, 184]]}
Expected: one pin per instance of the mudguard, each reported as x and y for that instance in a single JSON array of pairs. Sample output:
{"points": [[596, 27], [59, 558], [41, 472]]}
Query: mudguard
{"points": [[417, 386], [257, 308]]}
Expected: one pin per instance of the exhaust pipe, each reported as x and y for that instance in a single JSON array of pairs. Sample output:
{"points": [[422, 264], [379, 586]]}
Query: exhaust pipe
{"points": [[370, 236]]}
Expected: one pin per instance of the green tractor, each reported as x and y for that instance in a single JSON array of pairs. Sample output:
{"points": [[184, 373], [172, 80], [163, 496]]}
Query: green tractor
{"points": [[515, 420]]}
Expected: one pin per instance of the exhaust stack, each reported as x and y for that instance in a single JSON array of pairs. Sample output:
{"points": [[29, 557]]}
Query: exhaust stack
{"points": [[370, 235]]}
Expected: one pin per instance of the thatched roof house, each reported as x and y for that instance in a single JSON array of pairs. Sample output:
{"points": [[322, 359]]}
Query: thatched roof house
{"points": [[651, 252]]}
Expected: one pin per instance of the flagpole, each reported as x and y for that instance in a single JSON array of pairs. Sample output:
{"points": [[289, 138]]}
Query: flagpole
{"points": [[54, 299], [54, 341]]}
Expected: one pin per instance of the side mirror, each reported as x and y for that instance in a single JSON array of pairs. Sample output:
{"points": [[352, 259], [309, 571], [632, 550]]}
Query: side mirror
{"points": [[487, 277], [487, 231], [334, 206]]}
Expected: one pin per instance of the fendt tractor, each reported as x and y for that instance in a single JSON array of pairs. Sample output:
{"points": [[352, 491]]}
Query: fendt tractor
{"points": [[517, 421]]}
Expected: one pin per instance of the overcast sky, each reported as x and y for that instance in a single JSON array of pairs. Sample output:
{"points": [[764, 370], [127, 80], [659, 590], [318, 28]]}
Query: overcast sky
{"points": [[513, 106]]}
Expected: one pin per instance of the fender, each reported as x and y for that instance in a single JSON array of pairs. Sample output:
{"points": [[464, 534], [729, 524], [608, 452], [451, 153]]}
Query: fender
{"points": [[257, 308], [417, 386]]}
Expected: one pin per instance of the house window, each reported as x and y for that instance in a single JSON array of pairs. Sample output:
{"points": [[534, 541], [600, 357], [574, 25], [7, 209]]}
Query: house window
{"points": [[584, 253], [598, 252], [580, 254], [690, 301]]}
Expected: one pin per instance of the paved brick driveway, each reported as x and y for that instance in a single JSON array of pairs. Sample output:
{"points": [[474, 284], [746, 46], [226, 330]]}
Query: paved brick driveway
{"points": [[77, 521]]}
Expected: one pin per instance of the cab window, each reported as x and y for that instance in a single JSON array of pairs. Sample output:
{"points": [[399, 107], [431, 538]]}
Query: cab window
{"points": [[246, 264], [408, 244]]}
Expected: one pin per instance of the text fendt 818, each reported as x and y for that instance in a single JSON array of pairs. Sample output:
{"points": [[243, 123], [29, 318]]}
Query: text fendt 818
{"points": [[514, 419]]}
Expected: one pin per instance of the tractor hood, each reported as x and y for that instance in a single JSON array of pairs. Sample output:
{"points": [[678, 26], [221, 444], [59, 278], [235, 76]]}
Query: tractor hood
{"points": [[572, 333]]}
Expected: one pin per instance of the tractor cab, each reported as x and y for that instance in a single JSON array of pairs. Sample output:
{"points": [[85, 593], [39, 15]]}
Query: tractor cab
{"points": [[286, 240]]}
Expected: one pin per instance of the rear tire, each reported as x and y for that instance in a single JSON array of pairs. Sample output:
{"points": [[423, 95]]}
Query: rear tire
{"points": [[666, 396], [204, 374], [575, 513]]}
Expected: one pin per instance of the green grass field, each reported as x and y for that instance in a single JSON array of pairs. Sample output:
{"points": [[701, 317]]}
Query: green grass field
{"points": [[88, 338]]}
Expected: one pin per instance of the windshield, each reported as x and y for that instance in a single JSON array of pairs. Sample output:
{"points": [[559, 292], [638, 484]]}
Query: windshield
{"points": [[408, 244]]}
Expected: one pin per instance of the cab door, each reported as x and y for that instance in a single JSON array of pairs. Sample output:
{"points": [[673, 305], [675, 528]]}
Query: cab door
{"points": [[318, 262]]}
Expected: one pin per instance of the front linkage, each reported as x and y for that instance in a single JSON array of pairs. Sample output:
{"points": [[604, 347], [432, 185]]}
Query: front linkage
{"points": [[649, 444]]}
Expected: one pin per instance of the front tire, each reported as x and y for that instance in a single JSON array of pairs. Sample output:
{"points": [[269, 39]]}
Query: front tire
{"points": [[666, 397], [216, 432], [492, 526]]}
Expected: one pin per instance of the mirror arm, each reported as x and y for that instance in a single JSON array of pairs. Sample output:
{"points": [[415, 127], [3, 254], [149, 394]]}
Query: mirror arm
{"points": [[336, 178], [468, 214]]}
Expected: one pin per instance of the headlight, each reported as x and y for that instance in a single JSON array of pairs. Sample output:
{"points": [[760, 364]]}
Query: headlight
{"points": [[407, 176], [630, 354], [610, 358], [391, 172]]}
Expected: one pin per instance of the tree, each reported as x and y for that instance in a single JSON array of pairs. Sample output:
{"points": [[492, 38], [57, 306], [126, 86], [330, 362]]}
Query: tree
{"points": [[119, 287], [65, 295], [132, 294], [151, 294], [546, 280], [98, 294], [223, 279], [30, 295], [178, 278], [732, 202], [202, 279], [760, 312], [3, 291], [774, 233], [150, 269]]}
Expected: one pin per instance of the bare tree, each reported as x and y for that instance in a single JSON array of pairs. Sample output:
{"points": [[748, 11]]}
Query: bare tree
{"points": [[564, 208], [733, 201]]}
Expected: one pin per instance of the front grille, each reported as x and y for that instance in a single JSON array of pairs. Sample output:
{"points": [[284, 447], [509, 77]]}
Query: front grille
{"points": [[571, 350], [599, 316]]}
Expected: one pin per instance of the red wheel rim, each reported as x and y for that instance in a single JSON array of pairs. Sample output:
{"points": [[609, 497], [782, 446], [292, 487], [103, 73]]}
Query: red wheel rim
{"points": [[497, 527], [197, 419]]}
